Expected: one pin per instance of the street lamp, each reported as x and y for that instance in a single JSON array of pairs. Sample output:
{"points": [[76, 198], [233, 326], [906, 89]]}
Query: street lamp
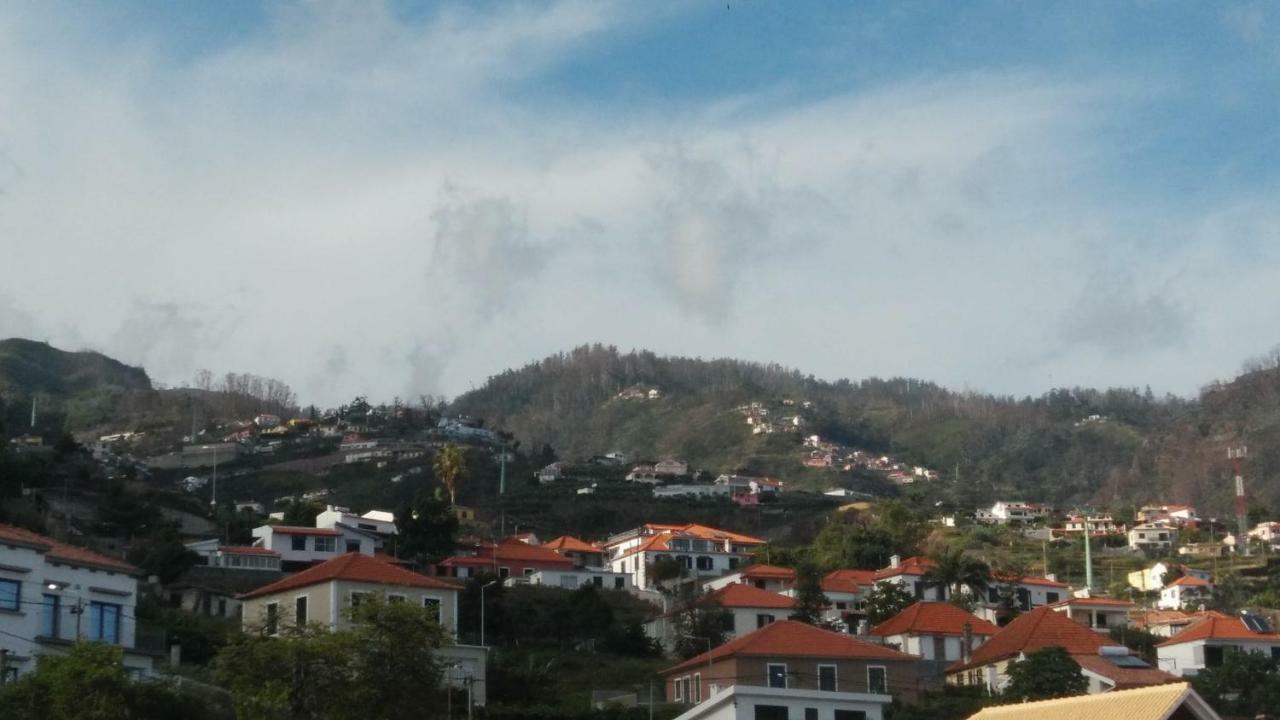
{"points": [[484, 587]]}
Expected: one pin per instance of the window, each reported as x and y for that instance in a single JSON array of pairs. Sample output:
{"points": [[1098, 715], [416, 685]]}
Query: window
{"points": [[688, 691], [395, 598], [1275, 652], [811, 714], [620, 583], [877, 680], [827, 678], [733, 563], [504, 572], [993, 595], [432, 605], [697, 687], [272, 625], [569, 582], [705, 562], [762, 620], [1212, 656], [726, 622], [49, 615], [678, 685], [299, 542], [849, 715], [1100, 619], [300, 610], [939, 647], [528, 571], [771, 712], [1051, 597], [328, 544], [777, 675], [222, 607], [367, 526], [597, 581], [353, 546], [357, 598], [104, 622], [686, 561], [10, 675], [10, 595]]}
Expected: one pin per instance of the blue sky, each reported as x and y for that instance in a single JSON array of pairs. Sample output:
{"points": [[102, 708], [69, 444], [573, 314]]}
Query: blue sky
{"points": [[1006, 196]]}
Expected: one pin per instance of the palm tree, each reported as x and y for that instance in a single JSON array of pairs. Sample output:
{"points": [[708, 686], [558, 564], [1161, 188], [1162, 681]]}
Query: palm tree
{"points": [[448, 466], [952, 570]]}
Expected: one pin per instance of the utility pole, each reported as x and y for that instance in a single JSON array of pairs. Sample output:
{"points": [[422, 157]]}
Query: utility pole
{"points": [[33, 413], [502, 472], [1088, 556], [1235, 455], [213, 496]]}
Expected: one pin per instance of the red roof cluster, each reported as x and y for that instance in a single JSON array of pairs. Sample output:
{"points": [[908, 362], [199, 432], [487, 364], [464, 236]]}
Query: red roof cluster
{"points": [[791, 638], [848, 581], [355, 567], [62, 552], [1189, 581], [934, 618], [914, 565], [512, 551]]}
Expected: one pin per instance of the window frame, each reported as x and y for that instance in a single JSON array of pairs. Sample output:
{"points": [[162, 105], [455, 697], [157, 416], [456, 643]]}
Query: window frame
{"points": [[301, 609], [429, 603], [295, 541], [326, 544], [98, 621], [884, 672], [697, 688], [769, 675], [17, 595], [52, 613], [835, 677], [271, 619]]}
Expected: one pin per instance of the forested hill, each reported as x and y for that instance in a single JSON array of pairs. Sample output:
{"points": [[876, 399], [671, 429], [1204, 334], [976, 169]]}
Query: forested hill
{"points": [[1111, 447], [69, 387]]}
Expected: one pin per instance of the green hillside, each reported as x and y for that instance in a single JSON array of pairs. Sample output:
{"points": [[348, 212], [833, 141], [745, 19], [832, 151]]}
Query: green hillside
{"points": [[72, 389], [1110, 447]]}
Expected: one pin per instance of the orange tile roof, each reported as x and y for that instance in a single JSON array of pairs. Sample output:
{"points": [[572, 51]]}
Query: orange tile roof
{"points": [[768, 572], [1188, 581], [914, 565], [791, 638], [355, 567], [738, 595], [706, 532], [1040, 628], [1094, 602], [571, 544], [934, 618], [1125, 678], [1217, 626], [1028, 580], [848, 581], [62, 552]]}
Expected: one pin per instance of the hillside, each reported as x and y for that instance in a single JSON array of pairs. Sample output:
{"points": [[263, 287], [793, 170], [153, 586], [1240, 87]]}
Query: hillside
{"points": [[72, 388], [1109, 447]]}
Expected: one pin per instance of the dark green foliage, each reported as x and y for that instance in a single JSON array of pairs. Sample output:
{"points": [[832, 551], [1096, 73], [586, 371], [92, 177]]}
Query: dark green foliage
{"points": [[866, 540], [700, 626], [1139, 641], [810, 600], [426, 528], [886, 599], [1046, 673], [953, 569], [1245, 685], [951, 703], [162, 554]]}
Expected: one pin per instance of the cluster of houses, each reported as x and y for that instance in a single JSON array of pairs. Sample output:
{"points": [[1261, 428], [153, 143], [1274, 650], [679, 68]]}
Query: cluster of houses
{"points": [[758, 417], [826, 454]]}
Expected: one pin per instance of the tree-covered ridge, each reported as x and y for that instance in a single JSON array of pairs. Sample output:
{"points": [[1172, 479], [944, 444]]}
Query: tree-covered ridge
{"points": [[1069, 445]]}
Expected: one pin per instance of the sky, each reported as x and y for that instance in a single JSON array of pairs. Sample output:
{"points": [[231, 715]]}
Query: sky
{"points": [[396, 199]]}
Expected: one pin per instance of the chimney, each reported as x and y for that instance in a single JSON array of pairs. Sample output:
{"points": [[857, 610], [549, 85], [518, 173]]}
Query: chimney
{"points": [[895, 561], [966, 642]]}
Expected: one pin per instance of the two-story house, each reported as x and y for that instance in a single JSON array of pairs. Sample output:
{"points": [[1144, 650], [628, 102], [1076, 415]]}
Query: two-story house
{"points": [[1099, 613], [1153, 536], [765, 577], [511, 558], [300, 547], [378, 522], [911, 575], [697, 550], [795, 667], [53, 594], [1185, 593], [1205, 642], [582, 553], [940, 633]]}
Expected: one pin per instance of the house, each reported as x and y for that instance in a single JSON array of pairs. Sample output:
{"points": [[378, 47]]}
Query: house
{"points": [[766, 577], [53, 595], [1204, 549], [790, 655], [910, 575], [1185, 592], [844, 590], [672, 467], [1098, 613], [699, 550], [643, 474], [1267, 533], [1205, 643], [1098, 525], [551, 473], [582, 553], [1164, 623], [1005, 511], [1106, 665], [236, 557], [939, 633], [300, 546], [1028, 592], [573, 579], [1152, 578], [1176, 515], [753, 485], [254, 507], [693, 490], [324, 595], [753, 702], [378, 522], [214, 590], [1174, 701], [747, 609], [511, 557], [1152, 536]]}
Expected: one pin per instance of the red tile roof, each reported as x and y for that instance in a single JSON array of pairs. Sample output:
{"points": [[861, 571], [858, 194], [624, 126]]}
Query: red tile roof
{"points": [[705, 532], [247, 550], [914, 565], [738, 595], [571, 544], [848, 581], [511, 551], [1125, 678], [1040, 628], [1029, 580], [769, 572], [1217, 626], [934, 618], [354, 567], [62, 552], [1188, 581], [791, 638], [295, 530]]}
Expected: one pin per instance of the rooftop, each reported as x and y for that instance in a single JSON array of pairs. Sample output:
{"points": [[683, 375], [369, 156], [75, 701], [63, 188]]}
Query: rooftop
{"points": [[62, 552], [934, 618], [1147, 703], [354, 567], [1217, 626], [791, 638], [738, 595]]}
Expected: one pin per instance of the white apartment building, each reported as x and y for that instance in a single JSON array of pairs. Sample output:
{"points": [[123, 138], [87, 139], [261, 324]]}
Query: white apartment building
{"points": [[1153, 536], [52, 594], [700, 551]]}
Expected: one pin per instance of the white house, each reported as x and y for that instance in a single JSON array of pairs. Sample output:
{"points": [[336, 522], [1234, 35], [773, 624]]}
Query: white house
{"points": [[1267, 533], [670, 466], [378, 522], [304, 545], [935, 631], [572, 579], [1185, 593], [1153, 536], [643, 474], [1100, 613], [748, 609], [753, 702], [1204, 644], [52, 594], [236, 557], [1152, 578], [765, 577], [691, 490], [698, 550], [1006, 511], [551, 473]]}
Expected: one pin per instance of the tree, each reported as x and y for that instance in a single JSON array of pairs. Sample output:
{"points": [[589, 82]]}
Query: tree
{"points": [[426, 528], [1245, 684], [1046, 673], [886, 599], [952, 570], [394, 659], [701, 626], [448, 466], [811, 602], [162, 554]]}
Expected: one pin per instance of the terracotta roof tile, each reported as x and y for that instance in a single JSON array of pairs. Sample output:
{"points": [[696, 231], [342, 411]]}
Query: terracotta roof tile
{"points": [[1217, 626], [769, 572], [933, 618], [1124, 677], [246, 550], [791, 638], [1154, 703], [848, 581], [914, 565], [571, 544], [354, 567], [1188, 581], [1040, 628], [62, 552], [739, 595]]}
